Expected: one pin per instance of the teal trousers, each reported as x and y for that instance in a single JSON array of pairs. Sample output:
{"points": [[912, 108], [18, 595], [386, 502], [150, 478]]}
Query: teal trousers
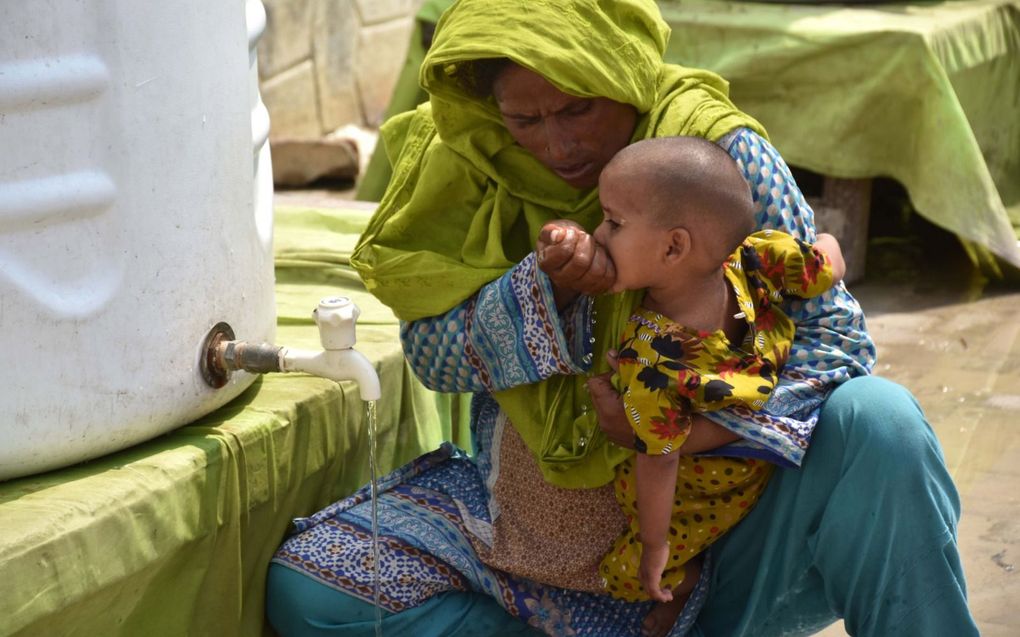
{"points": [[865, 531]]}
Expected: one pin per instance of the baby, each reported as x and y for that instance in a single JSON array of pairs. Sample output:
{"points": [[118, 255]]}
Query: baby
{"points": [[708, 333]]}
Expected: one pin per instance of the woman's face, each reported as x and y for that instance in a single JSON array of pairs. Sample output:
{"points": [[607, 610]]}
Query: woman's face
{"points": [[575, 137]]}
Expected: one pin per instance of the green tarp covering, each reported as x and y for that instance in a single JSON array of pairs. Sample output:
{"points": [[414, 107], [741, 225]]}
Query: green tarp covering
{"points": [[925, 93], [173, 537]]}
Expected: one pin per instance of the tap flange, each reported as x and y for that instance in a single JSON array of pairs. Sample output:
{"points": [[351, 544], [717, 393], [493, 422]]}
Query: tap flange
{"points": [[214, 372]]}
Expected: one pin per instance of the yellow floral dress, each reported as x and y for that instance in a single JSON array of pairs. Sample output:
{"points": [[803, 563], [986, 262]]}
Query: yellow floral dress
{"points": [[667, 372]]}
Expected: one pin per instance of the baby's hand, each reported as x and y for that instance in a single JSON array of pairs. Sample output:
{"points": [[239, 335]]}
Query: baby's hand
{"points": [[653, 562]]}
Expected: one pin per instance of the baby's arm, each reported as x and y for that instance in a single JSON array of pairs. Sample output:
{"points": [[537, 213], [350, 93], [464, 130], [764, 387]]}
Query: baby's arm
{"points": [[828, 245], [655, 477]]}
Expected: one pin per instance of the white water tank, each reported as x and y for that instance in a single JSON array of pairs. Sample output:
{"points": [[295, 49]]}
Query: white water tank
{"points": [[135, 214]]}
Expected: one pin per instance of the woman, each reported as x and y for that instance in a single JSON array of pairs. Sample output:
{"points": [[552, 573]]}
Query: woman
{"points": [[528, 102]]}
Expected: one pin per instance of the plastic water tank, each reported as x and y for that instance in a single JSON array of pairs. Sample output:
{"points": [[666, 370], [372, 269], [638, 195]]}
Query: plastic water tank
{"points": [[135, 213]]}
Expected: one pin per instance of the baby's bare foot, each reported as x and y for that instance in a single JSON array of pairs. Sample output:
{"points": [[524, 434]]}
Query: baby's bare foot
{"points": [[660, 619]]}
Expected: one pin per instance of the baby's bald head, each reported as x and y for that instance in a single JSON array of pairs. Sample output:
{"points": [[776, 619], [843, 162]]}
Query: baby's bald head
{"points": [[690, 182]]}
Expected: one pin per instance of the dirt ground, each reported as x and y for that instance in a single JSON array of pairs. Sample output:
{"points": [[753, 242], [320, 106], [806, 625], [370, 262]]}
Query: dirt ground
{"points": [[958, 349]]}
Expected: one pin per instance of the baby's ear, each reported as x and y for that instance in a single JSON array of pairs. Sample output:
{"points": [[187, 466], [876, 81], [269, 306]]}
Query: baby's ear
{"points": [[678, 247]]}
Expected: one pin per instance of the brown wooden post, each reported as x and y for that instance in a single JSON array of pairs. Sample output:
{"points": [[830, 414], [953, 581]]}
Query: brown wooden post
{"points": [[843, 211]]}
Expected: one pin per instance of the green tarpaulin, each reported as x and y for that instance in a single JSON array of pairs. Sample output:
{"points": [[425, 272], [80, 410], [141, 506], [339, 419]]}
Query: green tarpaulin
{"points": [[926, 93]]}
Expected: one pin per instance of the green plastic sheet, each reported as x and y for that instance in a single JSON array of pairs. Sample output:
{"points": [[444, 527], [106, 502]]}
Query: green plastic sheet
{"points": [[925, 93], [172, 537]]}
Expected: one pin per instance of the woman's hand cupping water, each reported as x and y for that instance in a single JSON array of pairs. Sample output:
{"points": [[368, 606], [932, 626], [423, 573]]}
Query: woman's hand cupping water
{"points": [[573, 261]]}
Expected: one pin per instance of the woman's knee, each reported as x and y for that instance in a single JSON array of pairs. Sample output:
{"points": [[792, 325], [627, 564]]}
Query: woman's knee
{"points": [[881, 420], [298, 605], [879, 431]]}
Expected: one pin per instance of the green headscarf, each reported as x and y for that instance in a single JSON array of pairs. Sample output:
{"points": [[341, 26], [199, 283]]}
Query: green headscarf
{"points": [[466, 203]]}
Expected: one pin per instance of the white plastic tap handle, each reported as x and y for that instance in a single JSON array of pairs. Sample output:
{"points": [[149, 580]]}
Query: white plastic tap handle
{"points": [[336, 317]]}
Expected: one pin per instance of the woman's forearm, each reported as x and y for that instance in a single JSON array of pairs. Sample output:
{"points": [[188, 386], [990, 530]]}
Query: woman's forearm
{"points": [[437, 355], [706, 435], [497, 339]]}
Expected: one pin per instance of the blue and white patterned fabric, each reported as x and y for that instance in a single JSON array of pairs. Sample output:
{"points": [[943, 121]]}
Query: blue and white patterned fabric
{"points": [[831, 344], [435, 513], [508, 334]]}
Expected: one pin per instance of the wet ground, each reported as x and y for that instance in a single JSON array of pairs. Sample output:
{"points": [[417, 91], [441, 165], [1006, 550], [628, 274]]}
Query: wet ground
{"points": [[957, 347], [954, 341]]}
